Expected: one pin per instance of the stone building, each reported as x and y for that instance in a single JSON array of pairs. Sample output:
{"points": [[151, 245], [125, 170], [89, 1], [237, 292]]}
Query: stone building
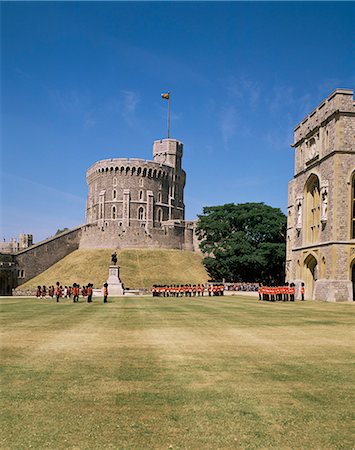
{"points": [[14, 245], [321, 201], [134, 203]]}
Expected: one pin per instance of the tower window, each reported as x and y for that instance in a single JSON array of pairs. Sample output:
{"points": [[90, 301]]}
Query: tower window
{"points": [[312, 209], [141, 213], [115, 180], [114, 194], [141, 195], [113, 212]]}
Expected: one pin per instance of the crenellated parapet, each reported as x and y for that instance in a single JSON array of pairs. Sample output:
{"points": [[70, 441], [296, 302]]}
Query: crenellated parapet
{"points": [[327, 129]]}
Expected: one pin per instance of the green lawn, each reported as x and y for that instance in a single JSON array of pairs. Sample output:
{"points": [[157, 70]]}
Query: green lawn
{"points": [[144, 373]]}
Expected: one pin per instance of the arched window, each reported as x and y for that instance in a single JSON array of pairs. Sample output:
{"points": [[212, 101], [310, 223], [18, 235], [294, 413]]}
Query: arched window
{"points": [[141, 195], [159, 197], [160, 215], [113, 212], [312, 216], [353, 207], [114, 180], [141, 182], [141, 213], [114, 194]]}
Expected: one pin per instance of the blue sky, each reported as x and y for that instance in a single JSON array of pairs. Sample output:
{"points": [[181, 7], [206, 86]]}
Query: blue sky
{"points": [[82, 81]]}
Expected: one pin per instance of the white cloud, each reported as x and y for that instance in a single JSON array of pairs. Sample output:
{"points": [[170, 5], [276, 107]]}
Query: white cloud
{"points": [[228, 124], [245, 89], [128, 105]]}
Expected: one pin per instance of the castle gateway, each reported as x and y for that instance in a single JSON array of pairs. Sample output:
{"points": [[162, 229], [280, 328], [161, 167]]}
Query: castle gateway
{"points": [[321, 201], [133, 203]]}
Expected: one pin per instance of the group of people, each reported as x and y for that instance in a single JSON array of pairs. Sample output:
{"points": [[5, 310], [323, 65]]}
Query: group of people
{"points": [[244, 287], [74, 292], [279, 293], [187, 290]]}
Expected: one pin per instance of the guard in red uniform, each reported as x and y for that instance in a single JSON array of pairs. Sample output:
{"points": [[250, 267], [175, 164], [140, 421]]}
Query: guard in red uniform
{"points": [[58, 292], [302, 291], [105, 292], [89, 292]]}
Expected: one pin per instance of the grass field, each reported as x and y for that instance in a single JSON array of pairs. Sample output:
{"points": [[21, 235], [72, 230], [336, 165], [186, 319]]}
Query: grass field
{"points": [[144, 373], [140, 268]]}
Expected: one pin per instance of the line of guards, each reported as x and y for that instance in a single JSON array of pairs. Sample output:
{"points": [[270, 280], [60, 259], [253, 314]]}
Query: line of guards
{"points": [[187, 290], [279, 293]]}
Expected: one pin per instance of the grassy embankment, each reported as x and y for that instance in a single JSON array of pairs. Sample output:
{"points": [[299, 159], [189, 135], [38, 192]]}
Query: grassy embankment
{"points": [[144, 373], [139, 268]]}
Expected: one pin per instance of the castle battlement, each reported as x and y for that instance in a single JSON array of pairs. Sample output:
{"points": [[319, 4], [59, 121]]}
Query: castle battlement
{"points": [[340, 100], [126, 166]]}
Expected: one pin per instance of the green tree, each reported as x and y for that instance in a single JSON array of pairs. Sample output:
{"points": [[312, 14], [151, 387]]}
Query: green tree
{"points": [[243, 242], [61, 231]]}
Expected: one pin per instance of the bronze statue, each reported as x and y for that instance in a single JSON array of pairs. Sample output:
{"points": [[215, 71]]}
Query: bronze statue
{"points": [[114, 258]]}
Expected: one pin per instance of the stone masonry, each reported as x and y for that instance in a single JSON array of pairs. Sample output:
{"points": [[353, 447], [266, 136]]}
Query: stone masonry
{"points": [[134, 203], [321, 213]]}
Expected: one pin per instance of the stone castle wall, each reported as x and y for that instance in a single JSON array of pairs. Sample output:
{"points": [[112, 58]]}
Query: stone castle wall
{"points": [[320, 240], [36, 259], [113, 235]]}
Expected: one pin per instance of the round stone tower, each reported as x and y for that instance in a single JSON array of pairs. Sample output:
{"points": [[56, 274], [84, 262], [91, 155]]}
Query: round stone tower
{"points": [[137, 203]]}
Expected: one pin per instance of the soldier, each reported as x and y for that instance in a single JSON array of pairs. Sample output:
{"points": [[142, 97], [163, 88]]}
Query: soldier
{"points": [[75, 293], [302, 291], [58, 292], [89, 292], [286, 292], [44, 292], [292, 292], [38, 291], [105, 292]]}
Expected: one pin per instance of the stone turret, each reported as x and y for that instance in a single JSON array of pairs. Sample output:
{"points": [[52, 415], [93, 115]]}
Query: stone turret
{"points": [[127, 194]]}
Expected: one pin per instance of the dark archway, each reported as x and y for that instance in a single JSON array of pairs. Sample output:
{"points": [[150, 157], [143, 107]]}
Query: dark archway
{"points": [[311, 275]]}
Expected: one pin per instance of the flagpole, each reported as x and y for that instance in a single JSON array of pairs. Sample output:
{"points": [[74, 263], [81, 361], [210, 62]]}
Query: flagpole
{"points": [[169, 116]]}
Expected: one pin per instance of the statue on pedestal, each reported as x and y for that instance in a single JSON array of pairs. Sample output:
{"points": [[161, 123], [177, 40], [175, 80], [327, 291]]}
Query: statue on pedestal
{"points": [[114, 284], [114, 258]]}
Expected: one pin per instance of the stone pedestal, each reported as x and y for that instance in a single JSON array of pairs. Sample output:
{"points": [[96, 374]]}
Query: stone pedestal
{"points": [[114, 283]]}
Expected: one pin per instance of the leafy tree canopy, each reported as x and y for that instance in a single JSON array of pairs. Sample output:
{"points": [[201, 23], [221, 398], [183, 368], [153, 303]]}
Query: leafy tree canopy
{"points": [[244, 242], [61, 231]]}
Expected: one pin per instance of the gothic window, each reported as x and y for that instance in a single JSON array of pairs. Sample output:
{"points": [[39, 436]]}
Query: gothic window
{"points": [[141, 213], [312, 218], [113, 212], [353, 207], [114, 194]]}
